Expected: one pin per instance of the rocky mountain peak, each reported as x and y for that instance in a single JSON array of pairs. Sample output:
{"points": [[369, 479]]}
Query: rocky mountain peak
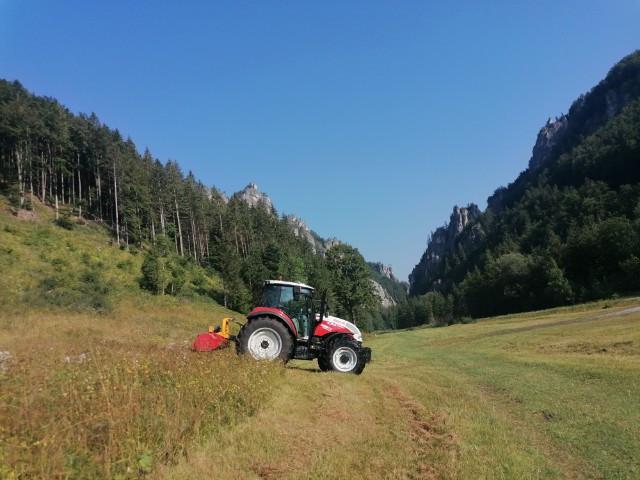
{"points": [[440, 243], [254, 197], [461, 217], [589, 112], [300, 229], [548, 137], [384, 270]]}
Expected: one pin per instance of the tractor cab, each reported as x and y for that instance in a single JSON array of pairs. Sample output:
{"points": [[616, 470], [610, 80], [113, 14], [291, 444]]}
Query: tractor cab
{"points": [[295, 300]]}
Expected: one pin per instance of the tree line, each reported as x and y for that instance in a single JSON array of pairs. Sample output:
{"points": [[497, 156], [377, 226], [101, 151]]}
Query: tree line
{"points": [[85, 169]]}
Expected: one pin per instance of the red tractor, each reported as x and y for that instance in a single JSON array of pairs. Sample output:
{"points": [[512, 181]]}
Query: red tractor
{"points": [[289, 325]]}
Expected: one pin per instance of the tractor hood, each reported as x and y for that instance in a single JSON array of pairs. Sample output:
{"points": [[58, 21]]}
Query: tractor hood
{"points": [[332, 323]]}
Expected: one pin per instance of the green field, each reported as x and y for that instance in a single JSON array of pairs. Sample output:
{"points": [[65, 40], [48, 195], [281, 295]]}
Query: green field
{"points": [[551, 394], [109, 388]]}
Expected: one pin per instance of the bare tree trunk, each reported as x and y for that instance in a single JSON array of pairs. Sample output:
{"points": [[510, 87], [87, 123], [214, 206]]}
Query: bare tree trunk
{"points": [[79, 188], [31, 178], [164, 232], [73, 188], [115, 194], [50, 170], [193, 239], [99, 193], [235, 234], [18, 155], [57, 215], [179, 226], [43, 182]]}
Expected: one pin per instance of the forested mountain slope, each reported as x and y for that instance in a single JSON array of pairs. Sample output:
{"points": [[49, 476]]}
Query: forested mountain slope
{"points": [[568, 228], [85, 170]]}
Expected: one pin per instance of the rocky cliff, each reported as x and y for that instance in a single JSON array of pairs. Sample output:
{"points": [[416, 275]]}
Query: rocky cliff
{"points": [[384, 270], [588, 113], [427, 274], [300, 229], [548, 137], [386, 300], [386, 286], [254, 197]]}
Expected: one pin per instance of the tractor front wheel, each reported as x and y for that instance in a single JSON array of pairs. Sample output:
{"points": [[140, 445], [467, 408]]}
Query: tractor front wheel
{"points": [[265, 338], [343, 355], [323, 363]]}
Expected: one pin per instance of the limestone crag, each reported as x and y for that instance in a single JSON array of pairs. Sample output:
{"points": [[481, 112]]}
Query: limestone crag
{"points": [[254, 197], [588, 113], [386, 300], [300, 229], [426, 274], [384, 270]]}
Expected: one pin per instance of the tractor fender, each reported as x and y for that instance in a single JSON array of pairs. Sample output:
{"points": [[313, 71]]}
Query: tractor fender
{"points": [[275, 313], [330, 325]]}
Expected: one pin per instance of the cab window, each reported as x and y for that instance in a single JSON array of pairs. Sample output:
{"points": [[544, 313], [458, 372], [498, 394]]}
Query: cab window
{"points": [[286, 296], [277, 296]]}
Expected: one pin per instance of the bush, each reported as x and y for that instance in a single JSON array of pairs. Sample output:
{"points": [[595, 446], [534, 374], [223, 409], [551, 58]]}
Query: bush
{"points": [[87, 291], [65, 222]]}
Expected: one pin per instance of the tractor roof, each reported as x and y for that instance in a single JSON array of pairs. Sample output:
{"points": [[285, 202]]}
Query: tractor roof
{"points": [[292, 284]]}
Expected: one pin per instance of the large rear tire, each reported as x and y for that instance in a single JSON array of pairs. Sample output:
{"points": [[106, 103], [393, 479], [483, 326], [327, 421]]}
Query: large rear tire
{"points": [[265, 338], [344, 356]]}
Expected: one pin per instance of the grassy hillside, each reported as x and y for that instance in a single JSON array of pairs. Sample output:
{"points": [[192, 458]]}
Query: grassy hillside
{"points": [[549, 394], [96, 377], [75, 265]]}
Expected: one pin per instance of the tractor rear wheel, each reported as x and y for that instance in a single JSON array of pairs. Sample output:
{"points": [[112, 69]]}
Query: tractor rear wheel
{"points": [[343, 355], [265, 338]]}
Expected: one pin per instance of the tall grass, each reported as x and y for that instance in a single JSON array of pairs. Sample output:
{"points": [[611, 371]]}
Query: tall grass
{"points": [[91, 388], [115, 413]]}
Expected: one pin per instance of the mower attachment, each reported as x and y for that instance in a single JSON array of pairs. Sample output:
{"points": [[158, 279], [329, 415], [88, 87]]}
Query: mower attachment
{"points": [[214, 339]]}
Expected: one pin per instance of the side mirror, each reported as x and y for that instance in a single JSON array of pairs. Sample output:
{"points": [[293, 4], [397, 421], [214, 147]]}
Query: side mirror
{"points": [[324, 306]]}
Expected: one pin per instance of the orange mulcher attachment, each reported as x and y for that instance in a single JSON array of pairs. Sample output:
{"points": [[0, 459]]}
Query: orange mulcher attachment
{"points": [[214, 339]]}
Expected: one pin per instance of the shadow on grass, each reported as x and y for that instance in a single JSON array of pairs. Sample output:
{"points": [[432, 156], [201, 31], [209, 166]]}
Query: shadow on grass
{"points": [[302, 369]]}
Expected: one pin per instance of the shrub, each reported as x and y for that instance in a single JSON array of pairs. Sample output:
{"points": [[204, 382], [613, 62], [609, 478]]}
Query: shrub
{"points": [[65, 222], [87, 291]]}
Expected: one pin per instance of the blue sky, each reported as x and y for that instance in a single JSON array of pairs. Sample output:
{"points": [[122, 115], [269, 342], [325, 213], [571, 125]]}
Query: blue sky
{"points": [[369, 120]]}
